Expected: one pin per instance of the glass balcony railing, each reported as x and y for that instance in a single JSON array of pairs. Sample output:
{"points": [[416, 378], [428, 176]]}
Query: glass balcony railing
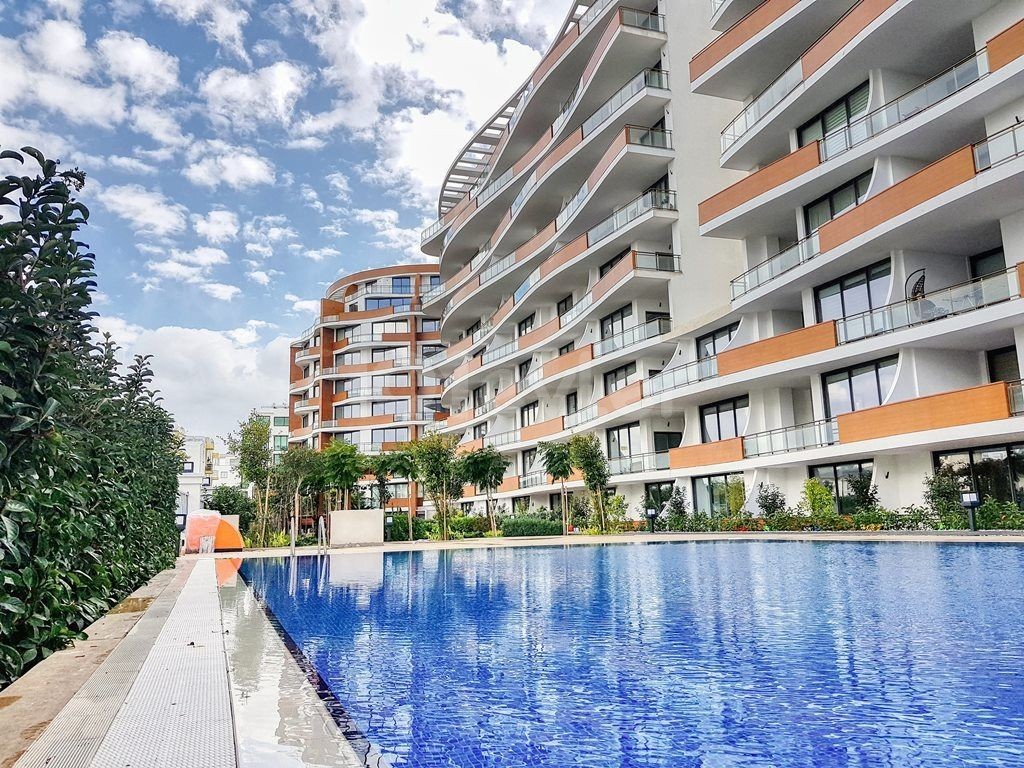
{"points": [[533, 479], [1000, 148], [797, 254], [499, 439], [432, 230], [948, 302], [517, 113], [1016, 395], [652, 22], [482, 331], [497, 268], [817, 434], [499, 352], [495, 186], [484, 408], [649, 137], [581, 416], [575, 311], [526, 285], [523, 193], [644, 462], [632, 336], [433, 293], [905, 107], [764, 103], [591, 14], [572, 206], [649, 78], [652, 199], [529, 380], [659, 262], [698, 370]]}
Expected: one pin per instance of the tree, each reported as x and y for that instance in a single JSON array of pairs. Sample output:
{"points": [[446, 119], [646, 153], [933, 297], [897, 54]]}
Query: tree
{"points": [[771, 500], [485, 468], [300, 468], [587, 456], [229, 500], [252, 446], [558, 464], [386, 466], [441, 471], [343, 466]]}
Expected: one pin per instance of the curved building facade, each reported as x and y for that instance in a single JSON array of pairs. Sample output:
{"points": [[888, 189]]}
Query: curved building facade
{"points": [[746, 243], [357, 372]]}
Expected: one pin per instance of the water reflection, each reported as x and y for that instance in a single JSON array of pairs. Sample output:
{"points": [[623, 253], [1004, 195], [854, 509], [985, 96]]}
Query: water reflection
{"points": [[688, 654]]}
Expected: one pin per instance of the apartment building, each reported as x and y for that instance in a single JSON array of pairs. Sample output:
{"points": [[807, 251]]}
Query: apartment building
{"points": [[277, 418], [357, 372], [746, 242]]}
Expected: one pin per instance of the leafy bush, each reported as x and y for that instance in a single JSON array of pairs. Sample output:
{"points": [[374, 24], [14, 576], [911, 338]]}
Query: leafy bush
{"points": [[421, 529], [468, 526], [735, 496], [998, 515], [771, 500], [530, 525], [942, 492], [88, 456], [817, 498], [615, 511], [229, 500], [863, 490], [677, 510]]}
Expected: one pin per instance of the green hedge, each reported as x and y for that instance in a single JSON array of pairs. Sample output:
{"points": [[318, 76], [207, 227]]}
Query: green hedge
{"points": [[468, 526], [528, 525], [421, 529], [88, 457]]}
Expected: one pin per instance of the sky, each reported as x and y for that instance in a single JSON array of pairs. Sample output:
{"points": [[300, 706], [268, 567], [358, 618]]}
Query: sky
{"points": [[241, 156]]}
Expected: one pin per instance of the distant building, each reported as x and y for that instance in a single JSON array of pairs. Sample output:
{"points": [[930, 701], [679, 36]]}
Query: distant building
{"points": [[195, 474], [277, 416]]}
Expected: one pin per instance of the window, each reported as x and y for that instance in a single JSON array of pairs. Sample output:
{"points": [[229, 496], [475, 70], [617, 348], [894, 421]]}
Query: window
{"points": [[564, 305], [571, 403], [316, 390], [992, 472], [280, 442], [609, 265], [432, 349], [618, 378], [526, 325], [316, 442], [656, 495], [836, 202], [987, 263], [190, 466], [346, 358], [837, 115], [473, 328], [381, 354], [859, 291], [265, 419], [616, 321], [391, 380], [401, 284], [390, 435], [352, 438], [712, 343], [666, 441], [391, 301], [467, 507], [280, 421], [346, 412], [526, 459], [391, 326], [479, 395], [837, 476], [431, 405], [520, 505], [480, 431], [623, 441], [528, 414], [860, 387], [524, 368], [719, 495], [430, 326], [433, 280], [384, 407], [723, 420], [565, 349], [1003, 365]]}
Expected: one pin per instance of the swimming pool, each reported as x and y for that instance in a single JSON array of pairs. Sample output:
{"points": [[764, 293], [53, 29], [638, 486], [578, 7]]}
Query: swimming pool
{"points": [[731, 653]]}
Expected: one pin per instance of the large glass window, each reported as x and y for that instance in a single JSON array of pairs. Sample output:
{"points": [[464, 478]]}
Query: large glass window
{"points": [[381, 354], [656, 495], [390, 435], [401, 284], [391, 380], [992, 472], [837, 476], [526, 460], [624, 440], [391, 301], [571, 402], [860, 387], [526, 324], [856, 292], [724, 420], [479, 395], [609, 265], [280, 442], [480, 430], [987, 263], [826, 208], [666, 441], [346, 411], [528, 414], [615, 323], [391, 326], [566, 348], [712, 343], [280, 421], [620, 377], [383, 408], [430, 326], [1003, 364], [841, 113], [347, 358], [719, 495], [564, 305]]}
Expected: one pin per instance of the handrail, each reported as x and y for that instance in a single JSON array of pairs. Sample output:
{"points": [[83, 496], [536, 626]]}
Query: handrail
{"points": [[999, 148], [698, 370], [581, 416], [652, 199], [788, 258], [815, 434], [641, 462], [633, 335]]}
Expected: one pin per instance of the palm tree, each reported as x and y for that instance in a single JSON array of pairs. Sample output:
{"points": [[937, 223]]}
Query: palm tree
{"points": [[589, 459], [558, 464], [485, 468], [343, 466]]}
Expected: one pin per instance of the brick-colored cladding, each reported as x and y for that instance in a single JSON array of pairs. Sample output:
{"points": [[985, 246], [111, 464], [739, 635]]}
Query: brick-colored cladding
{"points": [[626, 396], [785, 346], [1005, 47], [842, 32], [738, 34], [706, 454]]}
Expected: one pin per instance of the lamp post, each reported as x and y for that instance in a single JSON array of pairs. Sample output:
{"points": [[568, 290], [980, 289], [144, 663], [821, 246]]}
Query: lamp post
{"points": [[652, 515], [970, 500]]}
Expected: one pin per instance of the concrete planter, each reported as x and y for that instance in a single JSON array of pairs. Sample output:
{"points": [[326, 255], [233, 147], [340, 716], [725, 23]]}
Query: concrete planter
{"points": [[357, 526]]}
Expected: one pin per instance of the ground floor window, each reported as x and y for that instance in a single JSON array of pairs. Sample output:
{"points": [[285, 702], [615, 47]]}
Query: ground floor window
{"points": [[837, 478], [657, 494], [992, 472], [520, 505], [555, 501], [719, 495]]}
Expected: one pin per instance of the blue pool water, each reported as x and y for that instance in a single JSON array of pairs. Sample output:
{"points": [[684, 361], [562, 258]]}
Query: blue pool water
{"points": [[711, 654]]}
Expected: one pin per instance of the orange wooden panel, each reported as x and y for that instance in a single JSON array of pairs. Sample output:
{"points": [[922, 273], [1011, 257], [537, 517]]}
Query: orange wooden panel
{"points": [[464, 291], [705, 454], [626, 396], [459, 346], [367, 421], [1005, 47], [532, 153], [940, 176], [614, 275], [602, 46], [610, 155], [467, 367], [541, 429], [574, 475], [566, 253], [739, 33], [502, 312], [454, 419], [1020, 278], [538, 334], [569, 360], [948, 409], [509, 484], [505, 395], [555, 53], [768, 178], [469, 490], [856, 20], [530, 247], [565, 146], [785, 346]]}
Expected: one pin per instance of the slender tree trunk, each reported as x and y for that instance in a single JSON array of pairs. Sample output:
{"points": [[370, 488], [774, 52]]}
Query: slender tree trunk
{"points": [[490, 512], [347, 499], [565, 509]]}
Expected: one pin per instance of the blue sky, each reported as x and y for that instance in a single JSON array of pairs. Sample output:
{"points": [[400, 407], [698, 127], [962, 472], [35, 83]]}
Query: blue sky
{"points": [[241, 156]]}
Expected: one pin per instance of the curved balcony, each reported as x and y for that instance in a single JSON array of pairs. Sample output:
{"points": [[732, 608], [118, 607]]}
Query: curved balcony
{"points": [[306, 355], [299, 385], [311, 404]]}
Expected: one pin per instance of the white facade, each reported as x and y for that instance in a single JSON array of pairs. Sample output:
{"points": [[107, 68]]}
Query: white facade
{"points": [[277, 417], [747, 254]]}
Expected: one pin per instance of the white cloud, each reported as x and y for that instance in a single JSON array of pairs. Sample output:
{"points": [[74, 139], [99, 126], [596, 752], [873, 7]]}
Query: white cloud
{"points": [[130, 164], [303, 306], [209, 379], [216, 162], [148, 211], [319, 254], [71, 9], [334, 229], [259, 249], [306, 142], [245, 99], [391, 235], [222, 20], [218, 226], [340, 184], [202, 256], [259, 277], [60, 46], [160, 125], [269, 229], [149, 70], [311, 198], [221, 291]]}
